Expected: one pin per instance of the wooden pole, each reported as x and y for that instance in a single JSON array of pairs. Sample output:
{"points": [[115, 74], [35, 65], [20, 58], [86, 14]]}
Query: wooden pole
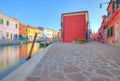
{"points": [[45, 43], [30, 53]]}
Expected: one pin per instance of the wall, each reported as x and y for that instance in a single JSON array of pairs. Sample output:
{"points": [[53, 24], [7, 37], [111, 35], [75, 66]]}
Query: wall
{"points": [[48, 33], [11, 28], [31, 32], [23, 31], [74, 27]]}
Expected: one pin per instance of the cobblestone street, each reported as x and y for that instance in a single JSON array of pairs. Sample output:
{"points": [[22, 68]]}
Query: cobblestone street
{"points": [[78, 62]]}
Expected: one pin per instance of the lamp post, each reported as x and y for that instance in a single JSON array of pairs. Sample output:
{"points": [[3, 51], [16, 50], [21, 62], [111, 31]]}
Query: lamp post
{"points": [[103, 3], [116, 1]]}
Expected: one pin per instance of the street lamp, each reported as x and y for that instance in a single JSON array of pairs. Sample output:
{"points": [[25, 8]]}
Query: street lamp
{"points": [[103, 3], [116, 1]]}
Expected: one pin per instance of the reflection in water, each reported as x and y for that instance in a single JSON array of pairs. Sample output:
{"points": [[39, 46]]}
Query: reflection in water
{"points": [[12, 57], [35, 49]]}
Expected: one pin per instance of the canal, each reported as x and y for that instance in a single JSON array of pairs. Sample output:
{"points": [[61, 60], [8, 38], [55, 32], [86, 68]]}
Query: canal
{"points": [[11, 57]]}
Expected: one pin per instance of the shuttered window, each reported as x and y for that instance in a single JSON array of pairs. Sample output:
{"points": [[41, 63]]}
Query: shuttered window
{"points": [[1, 21], [7, 34], [7, 23], [110, 32], [16, 25]]}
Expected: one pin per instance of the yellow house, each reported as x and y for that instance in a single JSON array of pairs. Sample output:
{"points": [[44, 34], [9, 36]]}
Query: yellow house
{"points": [[31, 32], [55, 34]]}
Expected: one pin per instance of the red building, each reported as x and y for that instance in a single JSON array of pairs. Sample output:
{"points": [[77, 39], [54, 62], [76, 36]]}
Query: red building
{"points": [[74, 26], [23, 32]]}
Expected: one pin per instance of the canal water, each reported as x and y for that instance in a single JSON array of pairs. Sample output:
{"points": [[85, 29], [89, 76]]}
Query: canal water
{"points": [[11, 57]]}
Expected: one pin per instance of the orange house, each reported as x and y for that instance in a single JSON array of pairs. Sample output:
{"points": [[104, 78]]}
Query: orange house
{"points": [[23, 32], [102, 32], [113, 25], [104, 26]]}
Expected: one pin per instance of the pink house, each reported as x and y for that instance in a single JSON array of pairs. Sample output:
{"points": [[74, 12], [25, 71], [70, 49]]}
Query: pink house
{"points": [[9, 28]]}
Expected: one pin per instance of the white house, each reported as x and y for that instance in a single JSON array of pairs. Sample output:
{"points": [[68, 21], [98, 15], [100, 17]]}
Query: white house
{"points": [[48, 33]]}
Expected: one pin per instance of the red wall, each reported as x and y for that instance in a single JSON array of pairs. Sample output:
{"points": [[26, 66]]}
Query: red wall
{"points": [[74, 27]]}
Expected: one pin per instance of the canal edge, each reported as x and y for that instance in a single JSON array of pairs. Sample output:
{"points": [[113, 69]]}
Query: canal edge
{"points": [[23, 71]]}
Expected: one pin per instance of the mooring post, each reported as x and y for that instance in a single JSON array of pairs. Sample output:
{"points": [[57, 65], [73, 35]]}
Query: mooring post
{"points": [[30, 53]]}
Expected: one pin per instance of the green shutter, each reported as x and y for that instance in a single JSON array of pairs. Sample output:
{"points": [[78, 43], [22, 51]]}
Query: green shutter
{"points": [[113, 5], [110, 32], [107, 32], [16, 25], [108, 14], [111, 29], [7, 34], [1, 21], [117, 3], [7, 23]]}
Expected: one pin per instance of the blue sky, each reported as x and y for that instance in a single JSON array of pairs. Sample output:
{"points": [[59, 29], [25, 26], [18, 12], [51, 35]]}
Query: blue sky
{"points": [[47, 13]]}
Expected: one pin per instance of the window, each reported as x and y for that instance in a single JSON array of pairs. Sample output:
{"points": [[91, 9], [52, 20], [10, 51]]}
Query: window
{"points": [[7, 34], [115, 4], [1, 21], [25, 29], [16, 25], [108, 14], [110, 32], [7, 23], [105, 27]]}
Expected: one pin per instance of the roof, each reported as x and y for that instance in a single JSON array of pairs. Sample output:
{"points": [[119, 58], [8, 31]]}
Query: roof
{"points": [[74, 12], [7, 17]]}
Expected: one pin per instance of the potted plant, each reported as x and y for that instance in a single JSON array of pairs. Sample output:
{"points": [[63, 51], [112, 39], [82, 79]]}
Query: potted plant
{"points": [[80, 41]]}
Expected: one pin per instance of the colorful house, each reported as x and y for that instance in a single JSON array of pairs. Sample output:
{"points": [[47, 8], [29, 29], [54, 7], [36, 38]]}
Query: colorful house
{"points": [[39, 33], [55, 34], [48, 33], [74, 26], [113, 25], [31, 32], [23, 32], [9, 28], [103, 29]]}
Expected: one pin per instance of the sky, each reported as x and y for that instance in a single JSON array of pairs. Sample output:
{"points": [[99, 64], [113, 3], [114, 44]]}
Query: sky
{"points": [[47, 13]]}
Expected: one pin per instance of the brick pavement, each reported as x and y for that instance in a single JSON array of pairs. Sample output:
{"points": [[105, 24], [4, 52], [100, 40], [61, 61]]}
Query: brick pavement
{"points": [[78, 62]]}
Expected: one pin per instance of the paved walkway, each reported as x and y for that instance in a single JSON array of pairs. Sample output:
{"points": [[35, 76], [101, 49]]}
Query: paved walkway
{"points": [[74, 62]]}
